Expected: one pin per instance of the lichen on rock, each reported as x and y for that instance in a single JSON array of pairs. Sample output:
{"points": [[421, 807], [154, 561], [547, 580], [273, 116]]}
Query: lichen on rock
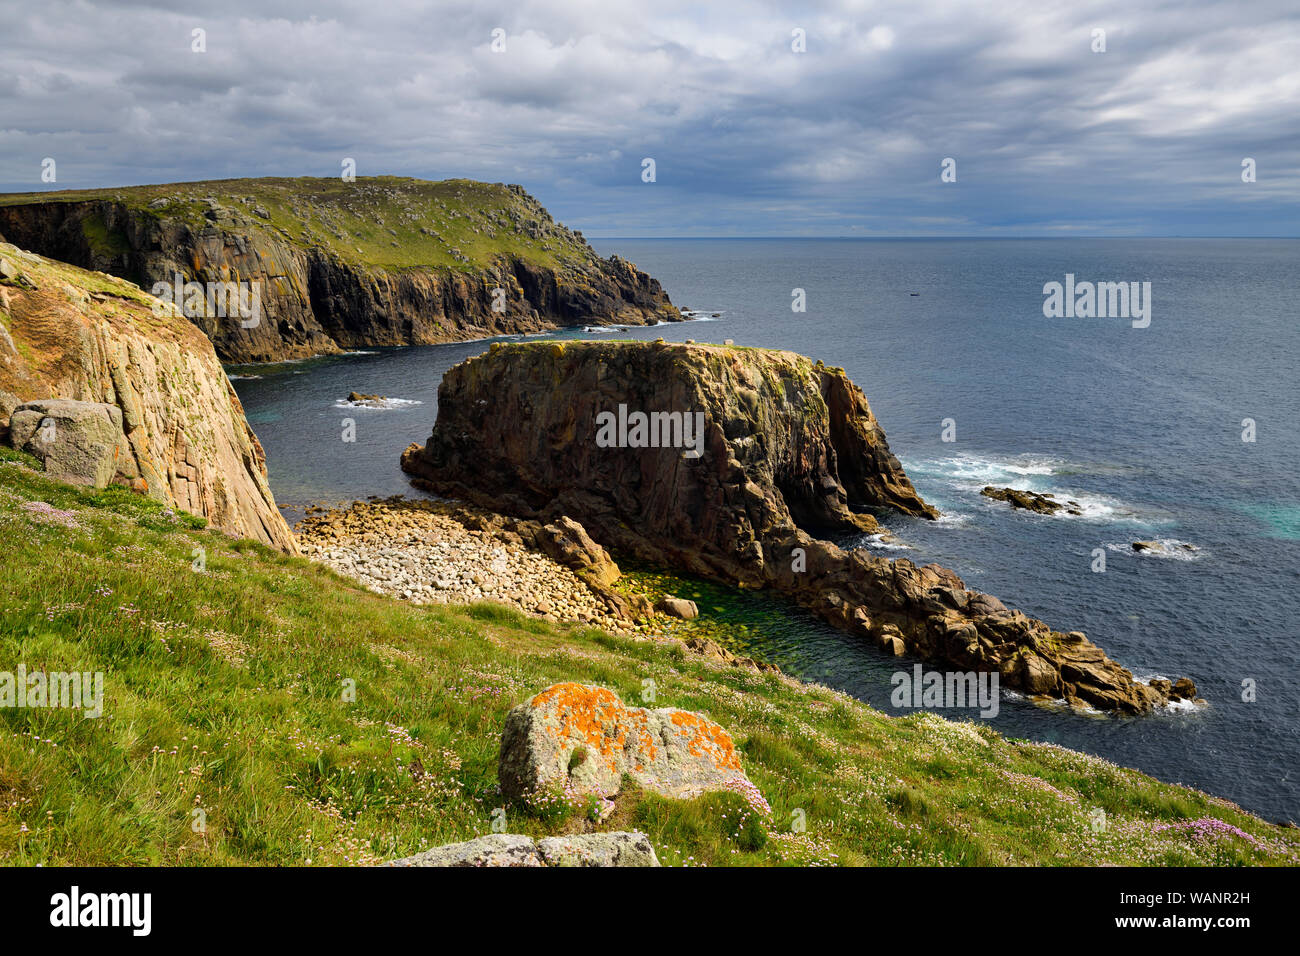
{"points": [[581, 739]]}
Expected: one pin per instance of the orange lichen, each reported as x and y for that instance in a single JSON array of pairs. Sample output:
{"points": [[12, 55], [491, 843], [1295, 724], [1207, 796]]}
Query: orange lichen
{"points": [[597, 717], [706, 734], [594, 717]]}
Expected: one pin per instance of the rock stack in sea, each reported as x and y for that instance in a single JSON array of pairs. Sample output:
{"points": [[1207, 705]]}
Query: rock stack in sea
{"points": [[790, 449]]}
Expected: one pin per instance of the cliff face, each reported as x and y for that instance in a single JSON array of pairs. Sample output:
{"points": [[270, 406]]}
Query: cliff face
{"points": [[179, 432], [521, 421], [343, 265], [788, 447]]}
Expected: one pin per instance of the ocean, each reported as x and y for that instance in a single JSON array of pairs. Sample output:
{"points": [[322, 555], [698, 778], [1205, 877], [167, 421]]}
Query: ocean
{"points": [[1144, 427]]}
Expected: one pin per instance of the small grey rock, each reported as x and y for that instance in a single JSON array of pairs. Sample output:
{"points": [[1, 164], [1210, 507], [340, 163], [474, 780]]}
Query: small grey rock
{"points": [[678, 607], [598, 849], [495, 849]]}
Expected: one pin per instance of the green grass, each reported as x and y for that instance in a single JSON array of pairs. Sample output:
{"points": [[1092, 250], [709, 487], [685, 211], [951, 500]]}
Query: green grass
{"points": [[226, 693], [381, 222], [103, 240], [81, 283], [8, 454]]}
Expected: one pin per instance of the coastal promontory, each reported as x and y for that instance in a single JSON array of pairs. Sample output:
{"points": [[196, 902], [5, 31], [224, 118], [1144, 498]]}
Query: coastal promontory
{"points": [[732, 463], [333, 265]]}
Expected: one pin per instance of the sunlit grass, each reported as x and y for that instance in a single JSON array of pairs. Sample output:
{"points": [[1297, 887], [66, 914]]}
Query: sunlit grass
{"points": [[267, 711]]}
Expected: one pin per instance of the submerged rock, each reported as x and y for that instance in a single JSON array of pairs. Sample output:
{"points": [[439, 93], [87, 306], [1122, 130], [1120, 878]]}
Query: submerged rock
{"points": [[1163, 547], [678, 607], [788, 449], [1029, 500]]}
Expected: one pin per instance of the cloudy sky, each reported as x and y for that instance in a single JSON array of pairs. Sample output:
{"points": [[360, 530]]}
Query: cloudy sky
{"points": [[748, 136]]}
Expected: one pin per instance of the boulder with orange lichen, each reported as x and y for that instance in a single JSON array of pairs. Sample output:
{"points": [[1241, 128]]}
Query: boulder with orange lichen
{"points": [[582, 739]]}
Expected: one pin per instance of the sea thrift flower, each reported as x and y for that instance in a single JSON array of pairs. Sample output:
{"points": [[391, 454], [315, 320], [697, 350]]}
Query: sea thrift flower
{"points": [[43, 513], [752, 795], [1207, 827]]}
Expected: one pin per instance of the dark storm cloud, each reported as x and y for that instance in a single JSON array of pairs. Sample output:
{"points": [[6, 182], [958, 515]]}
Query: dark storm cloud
{"points": [[748, 136]]}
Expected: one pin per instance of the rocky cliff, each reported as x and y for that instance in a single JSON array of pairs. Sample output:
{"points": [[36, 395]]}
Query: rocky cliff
{"points": [[521, 422], [788, 449], [104, 386], [342, 265]]}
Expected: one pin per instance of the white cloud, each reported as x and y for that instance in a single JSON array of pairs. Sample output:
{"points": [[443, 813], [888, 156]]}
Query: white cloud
{"points": [[850, 131]]}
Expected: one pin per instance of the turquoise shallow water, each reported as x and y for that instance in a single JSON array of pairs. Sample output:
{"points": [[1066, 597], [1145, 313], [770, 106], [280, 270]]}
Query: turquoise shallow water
{"points": [[1141, 426], [1282, 521]]}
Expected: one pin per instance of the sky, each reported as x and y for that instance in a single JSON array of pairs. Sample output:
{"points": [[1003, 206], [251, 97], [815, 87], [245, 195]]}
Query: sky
{"points": [[749, 134]]}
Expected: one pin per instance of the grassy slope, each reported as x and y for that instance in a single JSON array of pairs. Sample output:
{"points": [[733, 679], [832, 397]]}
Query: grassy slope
{"points": [[223, 692], [382, 222]]}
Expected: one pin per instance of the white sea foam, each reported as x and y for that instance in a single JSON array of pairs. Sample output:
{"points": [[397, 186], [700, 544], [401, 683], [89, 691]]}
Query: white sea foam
{"points": [[967, 470], [879, 541], [1171, 706], [971, 473], [1170, 549], [1181, 707], [377, 404]]}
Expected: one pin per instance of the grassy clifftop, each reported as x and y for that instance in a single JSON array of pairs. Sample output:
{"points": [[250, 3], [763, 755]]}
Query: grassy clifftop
{"points": [[386, 222], [381, 261], [224, 706]]}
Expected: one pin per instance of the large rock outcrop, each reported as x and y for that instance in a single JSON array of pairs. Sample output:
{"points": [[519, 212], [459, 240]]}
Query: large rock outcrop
{"points": [[105, 386], [81, 443], [517, 427], [580, 738], [375, 262], [789, 449]]}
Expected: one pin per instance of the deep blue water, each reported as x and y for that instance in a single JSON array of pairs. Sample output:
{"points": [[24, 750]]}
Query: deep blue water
{"points": [[1142, 427]]}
